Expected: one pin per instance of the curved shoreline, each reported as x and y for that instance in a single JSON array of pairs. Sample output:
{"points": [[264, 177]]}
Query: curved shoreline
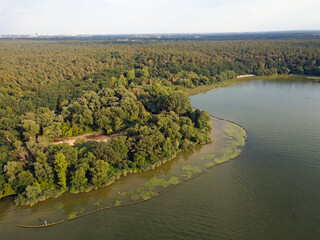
{"points": [[230, 122], [156, 195]]}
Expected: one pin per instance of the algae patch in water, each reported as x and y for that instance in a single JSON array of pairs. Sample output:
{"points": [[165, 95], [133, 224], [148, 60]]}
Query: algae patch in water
{"points": [[227, 144]]}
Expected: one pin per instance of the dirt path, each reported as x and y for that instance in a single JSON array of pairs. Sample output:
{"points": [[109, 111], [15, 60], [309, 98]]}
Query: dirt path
{"points": [[88, 137]]}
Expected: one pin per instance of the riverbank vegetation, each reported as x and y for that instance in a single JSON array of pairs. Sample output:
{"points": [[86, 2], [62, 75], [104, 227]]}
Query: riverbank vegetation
{"points": [[56, 89]]}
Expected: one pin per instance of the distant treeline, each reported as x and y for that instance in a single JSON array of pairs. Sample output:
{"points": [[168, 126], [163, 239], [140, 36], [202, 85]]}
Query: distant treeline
{"points": [[54, 89], [142, 38]]}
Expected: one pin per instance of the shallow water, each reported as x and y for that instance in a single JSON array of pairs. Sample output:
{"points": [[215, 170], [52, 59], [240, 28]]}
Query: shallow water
{"points": [[271, 191], [229, 140]]}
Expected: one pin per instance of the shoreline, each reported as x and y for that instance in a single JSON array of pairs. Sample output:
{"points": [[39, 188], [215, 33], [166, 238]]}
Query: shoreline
{"points": [[247, 77], [121, 173], [81, 214], [126, 172]]}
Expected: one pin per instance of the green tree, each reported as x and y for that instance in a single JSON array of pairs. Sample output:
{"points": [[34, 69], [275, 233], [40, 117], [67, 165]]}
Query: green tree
{"points": [[33, 192], [78, 179], [11, 170], [118, 145], [43, 171], [105, 152], [99, 173], [31, 129], [145, 72], [61, 165], [178, 102], [25, 178], [131, 75]]}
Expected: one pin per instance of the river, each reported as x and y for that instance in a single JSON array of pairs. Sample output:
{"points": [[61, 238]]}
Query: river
{"points": [[271, 191]]}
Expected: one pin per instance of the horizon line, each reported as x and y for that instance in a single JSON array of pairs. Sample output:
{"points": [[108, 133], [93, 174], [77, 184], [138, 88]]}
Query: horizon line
{"points": [[163, 33]]}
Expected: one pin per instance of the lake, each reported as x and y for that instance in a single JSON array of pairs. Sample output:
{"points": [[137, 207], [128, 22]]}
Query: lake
{"points": [[271, 191]]}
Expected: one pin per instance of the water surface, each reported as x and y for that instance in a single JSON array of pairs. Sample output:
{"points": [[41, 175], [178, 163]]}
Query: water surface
{"points": [[276, 181], [271, 191]]}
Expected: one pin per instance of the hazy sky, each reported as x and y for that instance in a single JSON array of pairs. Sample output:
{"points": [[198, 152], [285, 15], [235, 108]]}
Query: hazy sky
{"points": [[156, 16]]}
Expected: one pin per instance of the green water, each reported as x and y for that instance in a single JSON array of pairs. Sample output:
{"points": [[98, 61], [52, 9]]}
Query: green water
{"points": [[137, 188], [271, 191]]}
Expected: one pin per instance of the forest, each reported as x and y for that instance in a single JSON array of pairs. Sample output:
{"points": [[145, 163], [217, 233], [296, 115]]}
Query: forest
{"points": [[57, 89]]}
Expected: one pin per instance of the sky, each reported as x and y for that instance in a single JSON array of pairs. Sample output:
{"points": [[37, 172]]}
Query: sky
{"points": [[156, 16]]}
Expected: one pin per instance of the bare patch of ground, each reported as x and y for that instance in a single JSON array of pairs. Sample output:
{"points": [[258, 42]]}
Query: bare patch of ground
{"points": [[246, 75], [88, 137]]}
